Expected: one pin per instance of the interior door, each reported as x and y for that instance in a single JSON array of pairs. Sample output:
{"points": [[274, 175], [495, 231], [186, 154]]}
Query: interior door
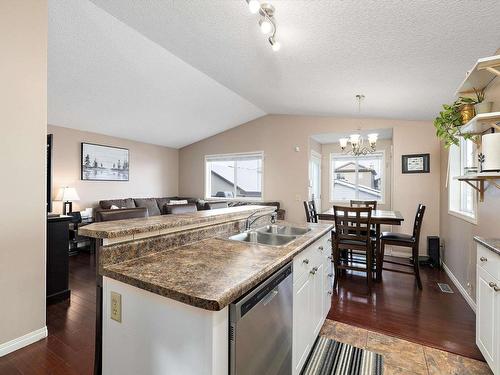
{"points": [[315, 179]]}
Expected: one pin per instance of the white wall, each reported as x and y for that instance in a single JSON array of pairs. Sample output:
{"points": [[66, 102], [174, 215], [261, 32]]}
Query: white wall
{"points": [[23, 119]]}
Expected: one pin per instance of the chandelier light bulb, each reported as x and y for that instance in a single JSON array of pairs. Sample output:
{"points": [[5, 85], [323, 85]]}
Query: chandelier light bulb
{"points": [[265, 26], [274, 44], [372, 138], [343, 142], [254, 6], [354, 138]]}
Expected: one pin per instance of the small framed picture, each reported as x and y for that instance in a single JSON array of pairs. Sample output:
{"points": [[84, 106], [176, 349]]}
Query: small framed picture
{"points": [[416, 163]]}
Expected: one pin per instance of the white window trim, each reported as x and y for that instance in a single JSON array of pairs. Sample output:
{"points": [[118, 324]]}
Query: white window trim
{"points": [[466, 216], [206, 181], [330, 178]]}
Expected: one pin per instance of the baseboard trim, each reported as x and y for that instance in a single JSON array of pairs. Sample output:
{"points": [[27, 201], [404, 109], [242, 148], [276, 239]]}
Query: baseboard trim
{"points": [[460, 288], [23, 341]]}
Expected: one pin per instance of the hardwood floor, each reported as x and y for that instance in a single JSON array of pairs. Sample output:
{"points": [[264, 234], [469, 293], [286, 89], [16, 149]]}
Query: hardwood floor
{"points": [[69, 348], [397, 308]]}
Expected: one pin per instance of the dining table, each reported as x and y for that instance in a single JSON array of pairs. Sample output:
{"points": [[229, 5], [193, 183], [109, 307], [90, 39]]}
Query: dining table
{"points": [[378, 218]]}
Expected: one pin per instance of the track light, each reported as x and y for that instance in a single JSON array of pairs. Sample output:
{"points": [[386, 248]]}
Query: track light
{"points": [[253, 6], [267, 22], [274, 43]]}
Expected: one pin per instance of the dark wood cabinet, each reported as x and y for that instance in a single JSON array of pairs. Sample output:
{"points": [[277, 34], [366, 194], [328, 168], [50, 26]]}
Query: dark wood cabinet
{"points": [[57, 258]]}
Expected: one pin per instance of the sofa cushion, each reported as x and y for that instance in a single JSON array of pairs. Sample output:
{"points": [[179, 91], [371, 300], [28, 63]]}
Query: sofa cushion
{"points": [[215, 205], [120, 214], [179, 208], [121, 203], [150, 204]]}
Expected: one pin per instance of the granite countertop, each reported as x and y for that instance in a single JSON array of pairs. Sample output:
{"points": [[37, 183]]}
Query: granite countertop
{"points": [[122, 228], [212, 273], [491, 243]]}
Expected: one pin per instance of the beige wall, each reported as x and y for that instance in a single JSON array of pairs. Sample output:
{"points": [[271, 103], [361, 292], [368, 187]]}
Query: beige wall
{"points": [[153, 169], [459, 247], [327, 149], [286, 170], [23, 118]]}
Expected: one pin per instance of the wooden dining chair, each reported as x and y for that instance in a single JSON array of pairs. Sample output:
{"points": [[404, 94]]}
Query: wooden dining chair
{"points": [[352, 233], [311, 212], [406, 240]]}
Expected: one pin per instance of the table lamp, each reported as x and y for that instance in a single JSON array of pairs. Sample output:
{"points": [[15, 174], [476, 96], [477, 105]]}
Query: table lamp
{"points": [[67, 195]]}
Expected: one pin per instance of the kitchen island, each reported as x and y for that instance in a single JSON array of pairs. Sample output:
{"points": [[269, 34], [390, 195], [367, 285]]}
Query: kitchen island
{"points": [[166, 297]]}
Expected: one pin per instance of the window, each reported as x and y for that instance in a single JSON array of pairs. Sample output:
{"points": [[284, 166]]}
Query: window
{"points": [[234, 176], [357, 177], [462, 197]]}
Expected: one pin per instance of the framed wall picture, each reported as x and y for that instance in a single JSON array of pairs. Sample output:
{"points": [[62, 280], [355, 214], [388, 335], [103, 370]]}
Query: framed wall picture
{"points": [[416, 163], [104, 163]]}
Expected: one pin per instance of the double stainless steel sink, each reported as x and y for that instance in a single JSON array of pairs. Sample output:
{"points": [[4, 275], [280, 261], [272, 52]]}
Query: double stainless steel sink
{"points": [[273, 235]]}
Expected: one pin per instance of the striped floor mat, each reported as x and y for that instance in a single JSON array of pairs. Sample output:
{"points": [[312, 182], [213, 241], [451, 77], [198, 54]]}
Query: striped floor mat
{"points": [[330, 357]]}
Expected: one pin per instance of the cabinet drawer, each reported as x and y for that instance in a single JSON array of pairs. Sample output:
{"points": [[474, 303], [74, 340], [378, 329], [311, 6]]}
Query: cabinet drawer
{"points": [[310, 257], [489, 261]]}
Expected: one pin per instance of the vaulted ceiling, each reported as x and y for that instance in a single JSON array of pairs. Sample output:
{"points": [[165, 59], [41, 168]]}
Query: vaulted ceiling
{"points": [[172, 72]]}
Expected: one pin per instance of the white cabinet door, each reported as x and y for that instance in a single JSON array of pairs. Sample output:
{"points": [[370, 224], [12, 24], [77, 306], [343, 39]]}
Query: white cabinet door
{"points": [[327, 287], [302, 327], [487, 318], [318, 299]]}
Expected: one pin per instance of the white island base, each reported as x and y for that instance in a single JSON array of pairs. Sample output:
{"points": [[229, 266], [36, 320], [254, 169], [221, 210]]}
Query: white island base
{"points": [[158, 335]]}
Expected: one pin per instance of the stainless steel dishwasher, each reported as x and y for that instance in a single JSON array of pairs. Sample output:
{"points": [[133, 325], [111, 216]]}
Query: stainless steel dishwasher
{"points": [[260, 332]]}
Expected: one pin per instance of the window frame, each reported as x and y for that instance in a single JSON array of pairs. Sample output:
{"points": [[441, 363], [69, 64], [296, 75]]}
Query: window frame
{"points": [[456, 163], [207, 179], [344, 156]]}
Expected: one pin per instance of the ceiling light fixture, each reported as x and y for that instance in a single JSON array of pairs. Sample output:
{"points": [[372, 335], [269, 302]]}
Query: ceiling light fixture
{"points": [[357, 141], [253, 6], [267, 22]]}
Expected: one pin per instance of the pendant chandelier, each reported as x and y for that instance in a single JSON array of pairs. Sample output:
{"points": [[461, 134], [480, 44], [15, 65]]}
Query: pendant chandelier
{"points": [[357, 141]]}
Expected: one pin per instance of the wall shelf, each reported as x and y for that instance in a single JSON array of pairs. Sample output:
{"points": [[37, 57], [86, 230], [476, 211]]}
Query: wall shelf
{"points": [[482, 73], [481, 181], [482, 123]]}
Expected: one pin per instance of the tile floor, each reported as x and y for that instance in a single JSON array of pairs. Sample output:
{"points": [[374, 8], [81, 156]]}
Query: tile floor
{"points": [[404, 357]]}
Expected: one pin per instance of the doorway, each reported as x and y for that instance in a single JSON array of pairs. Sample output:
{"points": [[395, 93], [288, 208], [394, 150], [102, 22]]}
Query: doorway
{"points": [[315, 179]]}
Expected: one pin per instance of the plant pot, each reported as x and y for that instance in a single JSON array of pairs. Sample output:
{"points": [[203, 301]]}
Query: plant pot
{"points": [[483, 107], [467, 112]]}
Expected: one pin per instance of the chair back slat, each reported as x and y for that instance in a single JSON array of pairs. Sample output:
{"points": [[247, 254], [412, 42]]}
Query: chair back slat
{"points": [[358, 203], [352, 223], [311, 212], [417, 224]]}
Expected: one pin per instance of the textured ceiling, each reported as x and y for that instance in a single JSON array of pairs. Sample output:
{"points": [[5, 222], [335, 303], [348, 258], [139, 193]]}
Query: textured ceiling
{"points": [[105, 77], [407, 57]]}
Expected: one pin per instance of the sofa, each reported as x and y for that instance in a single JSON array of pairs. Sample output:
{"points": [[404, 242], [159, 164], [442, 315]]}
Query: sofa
{"points": [[160, 206]]}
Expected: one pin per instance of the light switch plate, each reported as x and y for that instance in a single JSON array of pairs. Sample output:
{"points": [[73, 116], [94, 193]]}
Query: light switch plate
{"points": [[116, 307]]}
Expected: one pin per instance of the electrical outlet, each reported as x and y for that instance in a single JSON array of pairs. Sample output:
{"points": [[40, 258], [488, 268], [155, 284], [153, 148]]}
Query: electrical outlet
{"points": [[116, 307]]}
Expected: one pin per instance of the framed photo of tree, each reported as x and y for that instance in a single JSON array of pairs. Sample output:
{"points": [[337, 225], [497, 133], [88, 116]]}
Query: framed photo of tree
{"points": [[104, 163]]}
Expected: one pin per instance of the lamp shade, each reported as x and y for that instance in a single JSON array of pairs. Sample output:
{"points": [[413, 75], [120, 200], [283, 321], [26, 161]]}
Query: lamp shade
{"points": [[67, 194]]}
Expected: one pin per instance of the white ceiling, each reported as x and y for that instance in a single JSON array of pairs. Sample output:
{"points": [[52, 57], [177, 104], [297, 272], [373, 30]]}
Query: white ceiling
{"points": [[327, 138], [105, 77], [407, 57]]}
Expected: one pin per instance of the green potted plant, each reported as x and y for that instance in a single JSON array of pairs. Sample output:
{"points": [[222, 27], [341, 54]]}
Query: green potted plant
{"points": [[449, 121], [480, 105]]}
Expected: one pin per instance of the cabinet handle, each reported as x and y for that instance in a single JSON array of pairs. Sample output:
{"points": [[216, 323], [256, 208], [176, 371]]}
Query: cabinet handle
{"points": [[305, 261], [330, 257], [330, 292], [320, 248], [329, 240], [483, 259], [494, 286], [330, 275], [314, 270]]}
